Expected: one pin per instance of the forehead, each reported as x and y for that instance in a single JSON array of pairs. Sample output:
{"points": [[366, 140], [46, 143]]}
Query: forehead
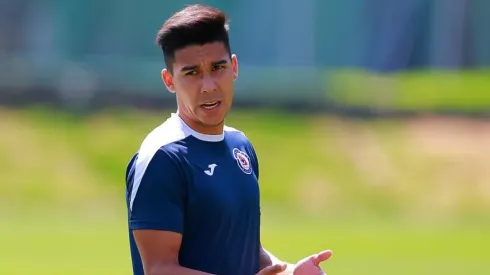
{"points": [[199, 54]]}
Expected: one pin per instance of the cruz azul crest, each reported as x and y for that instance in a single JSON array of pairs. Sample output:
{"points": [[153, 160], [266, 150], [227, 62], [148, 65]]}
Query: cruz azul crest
{"points": [[243, 161]]}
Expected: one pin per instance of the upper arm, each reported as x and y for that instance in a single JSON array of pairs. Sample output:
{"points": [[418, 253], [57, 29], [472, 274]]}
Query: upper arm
{"points": [[157, 196], [158, 247]]}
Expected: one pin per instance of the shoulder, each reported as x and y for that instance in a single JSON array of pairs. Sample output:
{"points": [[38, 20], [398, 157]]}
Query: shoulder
{"points": [[163, 136], [162, 143], [236, 134], [157, 160], [239, 139]]}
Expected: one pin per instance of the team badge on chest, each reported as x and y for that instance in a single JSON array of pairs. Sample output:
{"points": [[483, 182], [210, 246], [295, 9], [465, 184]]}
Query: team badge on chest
{"points": [[243, 161]]}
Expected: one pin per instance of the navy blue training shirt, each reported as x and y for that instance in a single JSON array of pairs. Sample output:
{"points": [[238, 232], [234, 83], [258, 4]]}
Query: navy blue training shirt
{"points": [[202, 186]]}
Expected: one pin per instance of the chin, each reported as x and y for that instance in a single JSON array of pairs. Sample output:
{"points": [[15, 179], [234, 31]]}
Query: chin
{"points": [[212, 120], [212, 123]]}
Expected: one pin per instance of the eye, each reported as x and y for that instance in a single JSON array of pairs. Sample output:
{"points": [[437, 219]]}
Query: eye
{"points": [[218, 67], [193, 72]]}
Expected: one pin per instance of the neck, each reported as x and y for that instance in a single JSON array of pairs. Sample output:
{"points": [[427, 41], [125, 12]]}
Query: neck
{"points": [[200, 128]]}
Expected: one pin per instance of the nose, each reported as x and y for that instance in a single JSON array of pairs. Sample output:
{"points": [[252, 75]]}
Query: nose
{"points": [[208, 85]]}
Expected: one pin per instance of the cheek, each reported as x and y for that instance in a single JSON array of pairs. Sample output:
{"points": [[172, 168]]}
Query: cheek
{"points": [[187, 90], [225, 80]]}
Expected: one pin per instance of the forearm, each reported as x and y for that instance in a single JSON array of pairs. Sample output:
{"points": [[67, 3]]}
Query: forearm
{"points": [[172, 269], [267, 259]]}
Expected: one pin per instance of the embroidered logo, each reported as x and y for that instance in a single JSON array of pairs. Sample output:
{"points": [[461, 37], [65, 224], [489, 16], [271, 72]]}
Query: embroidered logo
{"points": [[243, 161]]}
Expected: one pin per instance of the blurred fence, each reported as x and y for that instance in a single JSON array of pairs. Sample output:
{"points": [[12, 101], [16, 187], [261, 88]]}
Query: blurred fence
{"points": [[306, 52]]}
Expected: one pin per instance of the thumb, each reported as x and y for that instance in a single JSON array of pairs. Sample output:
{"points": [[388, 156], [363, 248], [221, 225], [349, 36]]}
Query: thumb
{"points": [[273, 269], [322, 256]]}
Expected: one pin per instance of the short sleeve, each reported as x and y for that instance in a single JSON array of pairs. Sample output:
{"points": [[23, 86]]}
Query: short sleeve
{"points": [[255, 161], [158, 193]]}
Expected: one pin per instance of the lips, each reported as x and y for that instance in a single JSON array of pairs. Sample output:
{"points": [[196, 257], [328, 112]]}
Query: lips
{"points": [[211, 104]]}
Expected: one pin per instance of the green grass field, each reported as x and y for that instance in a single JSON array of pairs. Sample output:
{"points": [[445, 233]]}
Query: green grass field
{"points": [[420, 90], [388, 196], [99, 246]]}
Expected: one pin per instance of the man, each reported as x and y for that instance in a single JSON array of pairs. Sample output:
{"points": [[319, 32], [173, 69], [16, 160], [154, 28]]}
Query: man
{"points": [[192, 187]]}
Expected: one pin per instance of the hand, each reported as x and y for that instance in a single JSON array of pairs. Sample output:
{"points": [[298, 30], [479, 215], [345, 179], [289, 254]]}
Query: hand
{"points": [[310, 264], [272, 269]]}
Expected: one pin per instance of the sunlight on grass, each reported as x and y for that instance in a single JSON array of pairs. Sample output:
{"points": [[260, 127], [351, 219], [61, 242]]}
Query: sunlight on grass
{"points": [[389, 167], [388, 196]]}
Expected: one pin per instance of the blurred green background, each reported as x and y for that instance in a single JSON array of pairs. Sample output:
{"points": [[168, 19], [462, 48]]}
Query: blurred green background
{"points": [[370, 119], [389, 196]]}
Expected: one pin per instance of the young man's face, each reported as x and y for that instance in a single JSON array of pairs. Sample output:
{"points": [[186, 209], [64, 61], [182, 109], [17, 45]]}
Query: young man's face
{"points": [[203, 78]]}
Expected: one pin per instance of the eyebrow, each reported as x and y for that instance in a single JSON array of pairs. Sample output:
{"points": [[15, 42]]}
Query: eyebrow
{"points": [[221, 62], [189, 68], [193, 67]]}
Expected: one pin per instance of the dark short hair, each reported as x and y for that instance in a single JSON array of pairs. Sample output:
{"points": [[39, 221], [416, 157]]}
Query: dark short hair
{"points": [[193, 25]]}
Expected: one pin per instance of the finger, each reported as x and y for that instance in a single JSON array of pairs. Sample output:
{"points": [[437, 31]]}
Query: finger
{"points": [[273, 269], [322, 256]]}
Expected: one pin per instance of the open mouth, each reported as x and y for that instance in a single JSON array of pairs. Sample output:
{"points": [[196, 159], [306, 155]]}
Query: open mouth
{"points": [[211, 105]]}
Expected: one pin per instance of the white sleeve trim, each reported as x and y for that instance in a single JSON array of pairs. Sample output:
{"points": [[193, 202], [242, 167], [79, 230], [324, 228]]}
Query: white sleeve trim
{"points": [[142, 162], [163, 135]]}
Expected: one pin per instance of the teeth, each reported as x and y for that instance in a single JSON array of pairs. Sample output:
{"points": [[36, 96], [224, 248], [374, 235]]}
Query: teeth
{"points": [[210, 105]]}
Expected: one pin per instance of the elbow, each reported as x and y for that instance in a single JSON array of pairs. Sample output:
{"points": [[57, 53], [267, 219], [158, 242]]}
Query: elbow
{"points": [[162, 268]]}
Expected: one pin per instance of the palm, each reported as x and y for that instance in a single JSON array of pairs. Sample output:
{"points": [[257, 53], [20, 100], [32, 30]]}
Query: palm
{"points": [[310, 264]]}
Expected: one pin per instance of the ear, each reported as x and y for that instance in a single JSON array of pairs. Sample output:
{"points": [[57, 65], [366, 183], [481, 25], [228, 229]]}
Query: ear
{"points": [[234, 65], [168, 80]]}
